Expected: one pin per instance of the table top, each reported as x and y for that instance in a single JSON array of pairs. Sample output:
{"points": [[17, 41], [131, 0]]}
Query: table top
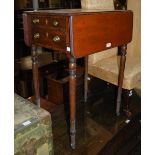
{"points": [[69, 12], [80, 32]]}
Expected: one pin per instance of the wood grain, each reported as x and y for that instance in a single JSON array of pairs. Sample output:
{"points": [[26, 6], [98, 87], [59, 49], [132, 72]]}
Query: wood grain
{"points": [[93, 32]]}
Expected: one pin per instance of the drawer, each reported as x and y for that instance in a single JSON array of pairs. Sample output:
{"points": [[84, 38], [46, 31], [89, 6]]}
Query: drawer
{"points": [[50, 21], [49, 38]]}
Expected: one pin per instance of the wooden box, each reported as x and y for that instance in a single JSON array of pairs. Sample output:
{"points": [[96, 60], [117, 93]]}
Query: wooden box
{"points": [[58, 87]]}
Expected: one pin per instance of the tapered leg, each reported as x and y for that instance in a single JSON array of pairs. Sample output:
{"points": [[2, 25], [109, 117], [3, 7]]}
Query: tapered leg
{"points": [[72, 96], [120, 78], [86, 79], [35, 75]]}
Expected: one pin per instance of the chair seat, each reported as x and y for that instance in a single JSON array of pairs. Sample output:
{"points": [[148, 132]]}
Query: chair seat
{"points": [[107, 70], [44, 58]]}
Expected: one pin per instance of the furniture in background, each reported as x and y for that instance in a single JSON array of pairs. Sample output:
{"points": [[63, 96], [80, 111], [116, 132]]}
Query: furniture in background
{"points": [[48, 64], [105, 64], [78, 33], [57, 85], [32, 129]]}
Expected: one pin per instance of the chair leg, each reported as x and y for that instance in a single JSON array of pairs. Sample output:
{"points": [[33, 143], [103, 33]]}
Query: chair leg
{"points": [[127, 97], [86, 79], [120, 77]]}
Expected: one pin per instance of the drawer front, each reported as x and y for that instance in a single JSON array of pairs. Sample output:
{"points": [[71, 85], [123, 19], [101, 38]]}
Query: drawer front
{"points": [[48, 38], [50, 21]]}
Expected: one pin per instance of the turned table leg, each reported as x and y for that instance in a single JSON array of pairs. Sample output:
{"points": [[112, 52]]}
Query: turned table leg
{"points": [[85, 79], [35, 75], [72, 97], [120, 77]]}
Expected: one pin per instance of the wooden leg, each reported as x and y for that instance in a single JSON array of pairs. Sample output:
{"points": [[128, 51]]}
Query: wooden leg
{"points": [[35, 75], [120, 78], [127, 97], [72, 97], [86, 79]]}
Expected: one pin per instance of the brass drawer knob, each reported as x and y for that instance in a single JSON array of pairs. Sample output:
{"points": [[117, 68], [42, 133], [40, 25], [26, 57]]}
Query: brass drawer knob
{"points": [[36, 35], [36, 20], [55, 23], [56, 38]]}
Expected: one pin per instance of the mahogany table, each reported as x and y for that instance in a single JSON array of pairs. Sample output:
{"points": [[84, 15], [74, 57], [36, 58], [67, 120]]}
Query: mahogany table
{"points": [[78, 33]]}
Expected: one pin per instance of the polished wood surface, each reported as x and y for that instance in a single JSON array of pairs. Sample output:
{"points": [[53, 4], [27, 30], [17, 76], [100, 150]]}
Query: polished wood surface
{"points": [[99, 32], [72, 97], [78, 33], [101, 130], [91, 31]]}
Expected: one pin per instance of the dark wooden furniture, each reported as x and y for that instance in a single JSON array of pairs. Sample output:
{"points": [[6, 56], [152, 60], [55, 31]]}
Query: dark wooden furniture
{"points": [[78, 33]]}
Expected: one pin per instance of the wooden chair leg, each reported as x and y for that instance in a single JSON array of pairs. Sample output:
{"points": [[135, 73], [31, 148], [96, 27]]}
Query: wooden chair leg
{"points": [[86, 79], [120, 77]]}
